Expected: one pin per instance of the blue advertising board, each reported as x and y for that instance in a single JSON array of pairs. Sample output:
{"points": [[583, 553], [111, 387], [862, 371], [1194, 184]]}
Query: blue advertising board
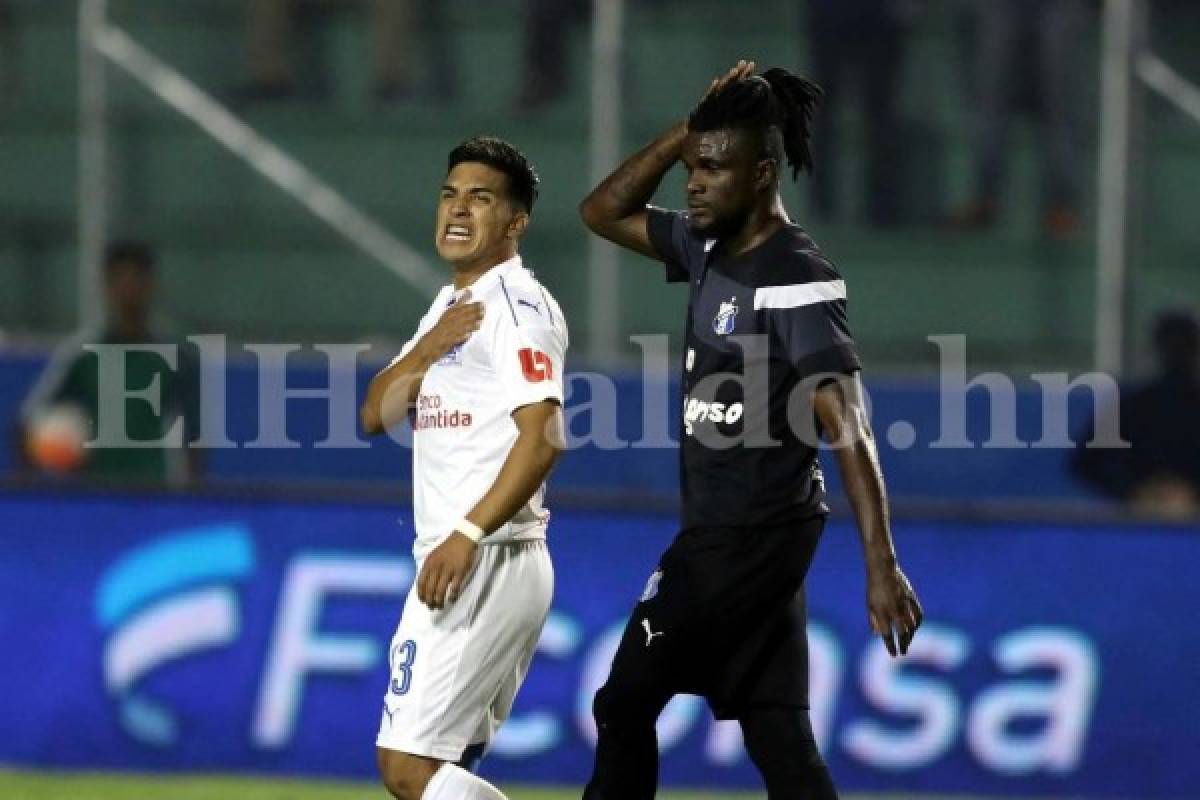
{"points": [[185, 633]]}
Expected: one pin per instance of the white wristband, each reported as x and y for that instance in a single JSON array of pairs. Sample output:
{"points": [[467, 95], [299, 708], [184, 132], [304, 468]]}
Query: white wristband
{"points": [[469, 529]]}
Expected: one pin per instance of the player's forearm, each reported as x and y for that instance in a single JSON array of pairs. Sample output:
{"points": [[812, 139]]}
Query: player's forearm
{"points": [[392, 392], [631, 186], [841, 408], [863, 481], [524, 471]]}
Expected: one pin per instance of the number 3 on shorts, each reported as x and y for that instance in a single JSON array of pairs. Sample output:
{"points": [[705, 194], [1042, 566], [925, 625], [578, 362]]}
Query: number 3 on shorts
{"points": [[403, 656]]}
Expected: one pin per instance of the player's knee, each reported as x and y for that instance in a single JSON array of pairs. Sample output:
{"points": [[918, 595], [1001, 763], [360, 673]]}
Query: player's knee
{"points": [[614, 707], [405, 776], [605, 707]]}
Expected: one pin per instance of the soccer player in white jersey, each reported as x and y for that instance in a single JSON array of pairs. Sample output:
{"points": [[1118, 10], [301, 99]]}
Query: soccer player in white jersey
{"points": [[481, 382]]}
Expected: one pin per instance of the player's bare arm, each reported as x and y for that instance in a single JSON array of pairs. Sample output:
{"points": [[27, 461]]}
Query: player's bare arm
{"points": [[616, 209], [393, 391], [540, 441], [895, 613]]}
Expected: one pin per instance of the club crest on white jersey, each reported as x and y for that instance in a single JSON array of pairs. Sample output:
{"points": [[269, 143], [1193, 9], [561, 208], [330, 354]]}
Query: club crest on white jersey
{"points": [[452, 358]]}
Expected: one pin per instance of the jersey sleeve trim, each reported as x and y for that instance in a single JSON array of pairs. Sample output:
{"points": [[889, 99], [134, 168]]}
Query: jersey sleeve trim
{"points": [[800, 294]]}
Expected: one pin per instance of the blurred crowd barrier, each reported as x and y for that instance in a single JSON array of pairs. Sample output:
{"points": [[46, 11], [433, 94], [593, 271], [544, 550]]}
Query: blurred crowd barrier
{"points": [[936, 230]]}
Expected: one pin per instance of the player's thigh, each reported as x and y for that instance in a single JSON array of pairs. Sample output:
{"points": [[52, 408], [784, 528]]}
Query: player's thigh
{"points": [[505, 627], [508, 619], [759, 630], [537, 577], [419, 632], [428, 657], [771, 668], [640, 681], [507, 622], [506, 695], [656, 656]]}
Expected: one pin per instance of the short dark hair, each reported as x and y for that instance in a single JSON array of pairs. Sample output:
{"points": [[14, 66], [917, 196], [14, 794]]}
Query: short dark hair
{"points": [[502, 156], [777, 105], [129, 251]]}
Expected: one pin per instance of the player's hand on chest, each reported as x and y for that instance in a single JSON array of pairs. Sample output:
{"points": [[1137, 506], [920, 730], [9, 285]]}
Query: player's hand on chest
{"points": [[455, 327], [468, 361]]}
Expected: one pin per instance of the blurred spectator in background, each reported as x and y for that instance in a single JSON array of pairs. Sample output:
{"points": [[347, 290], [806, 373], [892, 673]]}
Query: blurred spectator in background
{"points": [[547, 27], [60, 412], [861, 41], [272, 28], [1160, 474], [1027, 57]]}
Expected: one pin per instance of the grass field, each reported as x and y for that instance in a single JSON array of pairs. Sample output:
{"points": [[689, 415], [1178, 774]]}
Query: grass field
{"points": [[107, 786]]}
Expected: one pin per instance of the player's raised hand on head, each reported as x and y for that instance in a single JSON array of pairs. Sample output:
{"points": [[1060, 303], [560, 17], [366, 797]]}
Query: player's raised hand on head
{"points": [[446, 571], [893, 608], [455, 326], [740, 71]]}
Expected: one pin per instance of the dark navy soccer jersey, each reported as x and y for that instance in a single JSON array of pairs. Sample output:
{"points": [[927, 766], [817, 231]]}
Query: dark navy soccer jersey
{"points": [[764, 330]]}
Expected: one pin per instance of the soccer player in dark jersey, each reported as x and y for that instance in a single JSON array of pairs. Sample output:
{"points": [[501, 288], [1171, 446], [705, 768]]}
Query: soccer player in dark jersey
{"points": [[769, 365]]}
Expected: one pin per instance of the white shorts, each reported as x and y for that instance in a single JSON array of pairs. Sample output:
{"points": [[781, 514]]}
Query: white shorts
{"points": [[455, 672]]}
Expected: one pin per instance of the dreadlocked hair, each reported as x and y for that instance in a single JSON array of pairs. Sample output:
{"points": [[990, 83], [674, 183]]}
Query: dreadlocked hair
{"points": [[777, 100]]}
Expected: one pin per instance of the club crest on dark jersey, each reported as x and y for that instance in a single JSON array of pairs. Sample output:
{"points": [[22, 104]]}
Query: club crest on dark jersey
{"points": [[726, 317], [651, 590]]}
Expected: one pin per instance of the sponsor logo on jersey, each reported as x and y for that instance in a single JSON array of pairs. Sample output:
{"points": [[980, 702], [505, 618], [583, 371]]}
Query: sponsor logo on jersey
{"points": [[726, 317], [430, 413], [535, 365], [695, 410]]}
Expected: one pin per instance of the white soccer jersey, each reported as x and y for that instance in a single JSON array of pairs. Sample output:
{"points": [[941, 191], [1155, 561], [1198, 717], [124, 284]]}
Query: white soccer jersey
{"points": [[462, 422]]}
